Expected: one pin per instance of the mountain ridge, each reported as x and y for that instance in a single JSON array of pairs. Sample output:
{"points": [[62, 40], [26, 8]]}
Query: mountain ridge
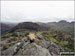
{"points": [[37, 26]]}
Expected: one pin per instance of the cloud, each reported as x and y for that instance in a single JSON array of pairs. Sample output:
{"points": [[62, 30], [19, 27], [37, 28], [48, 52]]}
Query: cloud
{"points": [[18, 11]]}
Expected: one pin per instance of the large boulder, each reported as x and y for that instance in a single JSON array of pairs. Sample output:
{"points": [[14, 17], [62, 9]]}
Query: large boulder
{"points": [[53, 48], [34, 50]]}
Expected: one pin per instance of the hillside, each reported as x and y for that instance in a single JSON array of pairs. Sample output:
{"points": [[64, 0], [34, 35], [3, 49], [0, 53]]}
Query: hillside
{"points": [[36, 48], [5, 28], [30, 26], [62, 26], [59, 26], [38, 39], [39, 26]]}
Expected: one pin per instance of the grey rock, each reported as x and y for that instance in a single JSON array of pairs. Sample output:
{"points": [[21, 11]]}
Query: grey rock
{"points": [[34, 50], [54, 48]]}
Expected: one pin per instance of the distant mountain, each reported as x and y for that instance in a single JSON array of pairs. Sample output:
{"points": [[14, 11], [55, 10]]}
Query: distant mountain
{"points": [[73, 22], [5, 28], [44, 26], [10, 23], [62, 26], [39, 26], [63, 22], [29, 26]]}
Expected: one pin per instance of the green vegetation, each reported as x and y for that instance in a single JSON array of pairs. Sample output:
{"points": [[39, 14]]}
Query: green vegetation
{"points": [[54, 40], [64, 39], [6, 36], [15, 39], [21, 34], [6, 46], [60, 38]]}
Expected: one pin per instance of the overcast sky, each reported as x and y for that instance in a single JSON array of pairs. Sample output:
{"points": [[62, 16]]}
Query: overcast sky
{"points": [[37, 11]]}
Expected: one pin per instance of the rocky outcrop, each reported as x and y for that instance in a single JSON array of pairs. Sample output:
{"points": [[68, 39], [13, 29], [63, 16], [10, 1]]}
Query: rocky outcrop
{"points": [[54, 48], [31, 49], [34, 50], [39, 47]]}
